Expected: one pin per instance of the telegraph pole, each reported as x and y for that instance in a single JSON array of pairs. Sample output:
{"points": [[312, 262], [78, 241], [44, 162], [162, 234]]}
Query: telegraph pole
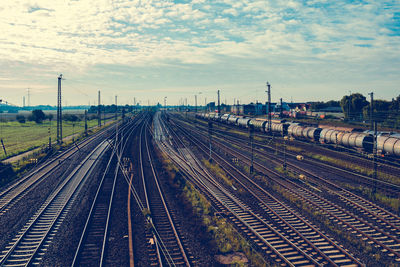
{"points": [[219, 106], [86, 123], [99, 111], [371, 114], [284, 153], [281, 115], [374, 124], [251, 133], [210, 126], [59, 111], [165, 104], [195, 103], [269, 107], [116, 107], [349, 107]]}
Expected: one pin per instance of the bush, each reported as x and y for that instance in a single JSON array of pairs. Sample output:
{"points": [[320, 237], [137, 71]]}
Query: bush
{"points": [[21, 118], [70, 117], [38, 115]]}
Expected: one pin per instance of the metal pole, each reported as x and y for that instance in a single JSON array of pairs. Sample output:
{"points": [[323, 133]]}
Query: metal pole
{"points": [[195, 103], [269, 108], [219, 106], [116, 107], [59, 112], [284, 153], [374, 157], [371, 115], [99, 111], [86, 123], [251, 129], [210, 125], [281, 115], [349, 107]]}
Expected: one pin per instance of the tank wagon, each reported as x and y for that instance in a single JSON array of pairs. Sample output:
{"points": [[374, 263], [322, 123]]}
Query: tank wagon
{"points": [[387, 143], [243, 122]]}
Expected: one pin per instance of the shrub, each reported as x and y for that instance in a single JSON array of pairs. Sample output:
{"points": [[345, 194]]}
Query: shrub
{"points": [[38, 115], [21, 118]]}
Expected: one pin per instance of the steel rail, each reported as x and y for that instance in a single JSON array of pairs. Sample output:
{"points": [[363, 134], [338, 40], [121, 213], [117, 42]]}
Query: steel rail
{"points": [[26, 244], [97, 210], [327, 206], [273, 206]]}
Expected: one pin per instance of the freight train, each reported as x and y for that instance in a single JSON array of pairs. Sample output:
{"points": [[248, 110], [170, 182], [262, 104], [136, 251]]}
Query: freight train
{"points": [[387, 143]]}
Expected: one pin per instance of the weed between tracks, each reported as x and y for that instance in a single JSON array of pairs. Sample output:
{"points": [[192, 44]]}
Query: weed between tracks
{"points": [[220, 235], [218, 172], [393, 203]]}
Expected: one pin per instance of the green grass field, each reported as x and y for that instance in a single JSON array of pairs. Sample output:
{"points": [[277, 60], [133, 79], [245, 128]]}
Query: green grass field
{"points": [[20, 137]]}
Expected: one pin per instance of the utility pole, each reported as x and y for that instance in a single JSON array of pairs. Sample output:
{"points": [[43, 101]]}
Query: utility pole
{"points": [[349, 107], [205, 104], [165, 104], [59, 111], [251, 133], [134, 103], [237, 107], [281, 115], [219, 106], [195, 103], [269, 108], [23, 101], [374, 124], [116, 107], [86, 123], [99, 111], [371, 114], [210, 126], [284, 152]]}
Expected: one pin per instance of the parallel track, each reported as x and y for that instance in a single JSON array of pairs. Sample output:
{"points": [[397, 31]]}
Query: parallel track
{"points": [[91, 247], [32, 241], [378, 233], [16, 191], [321, 247], [167, 235]]}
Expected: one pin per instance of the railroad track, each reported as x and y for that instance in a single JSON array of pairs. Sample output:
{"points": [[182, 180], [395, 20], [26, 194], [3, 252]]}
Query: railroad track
{"points": [[393, 166], [313, 241], [167, 238], [92, 244], [379, 234], [16, 191], [31, 242], [370, 212], [367, 180]]}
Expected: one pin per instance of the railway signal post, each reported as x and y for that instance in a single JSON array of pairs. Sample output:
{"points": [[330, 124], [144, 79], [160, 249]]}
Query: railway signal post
{"points": [[284, 152], [210, 126], [251, 134]]}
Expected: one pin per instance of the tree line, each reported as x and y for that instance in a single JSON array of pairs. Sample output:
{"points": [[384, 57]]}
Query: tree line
{"points": [[356, 107]]}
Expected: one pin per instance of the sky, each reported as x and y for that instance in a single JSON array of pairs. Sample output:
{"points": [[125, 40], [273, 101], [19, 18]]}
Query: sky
{"points": [[313, 50]]}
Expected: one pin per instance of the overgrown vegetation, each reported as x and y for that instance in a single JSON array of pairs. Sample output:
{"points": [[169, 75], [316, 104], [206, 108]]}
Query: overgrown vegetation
{"points": [[391, 202], [216, 169], [354, 167]]}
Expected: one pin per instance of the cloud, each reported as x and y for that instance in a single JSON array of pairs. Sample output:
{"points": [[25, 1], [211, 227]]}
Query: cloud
{"points": [[79, 35]]}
